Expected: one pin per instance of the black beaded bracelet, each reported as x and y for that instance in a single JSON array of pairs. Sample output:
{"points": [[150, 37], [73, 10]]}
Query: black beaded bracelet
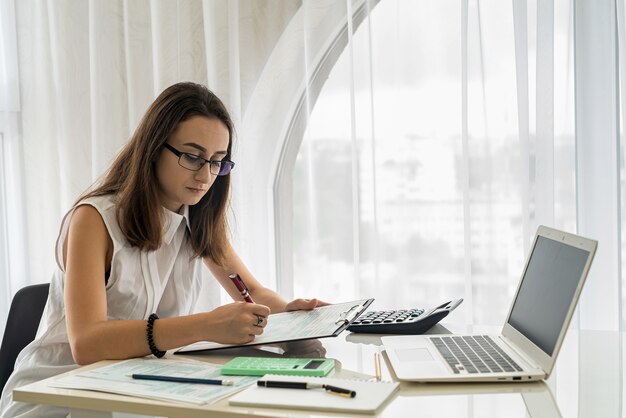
{"points": [[153, 348]]}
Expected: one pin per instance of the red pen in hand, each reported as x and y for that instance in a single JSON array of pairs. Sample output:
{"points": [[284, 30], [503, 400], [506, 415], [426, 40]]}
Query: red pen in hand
{"points": [[241, 286]]}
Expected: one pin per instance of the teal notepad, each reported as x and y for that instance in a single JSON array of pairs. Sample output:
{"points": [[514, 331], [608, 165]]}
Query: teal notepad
{"points": [[370, 395]]}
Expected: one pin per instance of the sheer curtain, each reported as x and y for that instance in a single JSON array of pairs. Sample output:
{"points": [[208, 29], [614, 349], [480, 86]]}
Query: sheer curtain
{"points": [[443, 133], [430, 154], [13, 263], [76, 78], [429, 141]]}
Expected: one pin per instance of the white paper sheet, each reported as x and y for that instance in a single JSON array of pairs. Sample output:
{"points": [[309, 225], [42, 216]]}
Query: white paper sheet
{"points": [[370, 395], [296, 325], [116, 379]]}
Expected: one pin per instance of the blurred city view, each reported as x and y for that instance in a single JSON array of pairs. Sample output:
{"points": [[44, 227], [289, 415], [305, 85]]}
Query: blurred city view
{"points": [[387, 203]]}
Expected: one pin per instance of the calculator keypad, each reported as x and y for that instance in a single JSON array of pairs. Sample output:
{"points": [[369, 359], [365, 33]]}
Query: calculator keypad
{"points": [[262, 363], [387, 317], [259, 366], [401, 321]]}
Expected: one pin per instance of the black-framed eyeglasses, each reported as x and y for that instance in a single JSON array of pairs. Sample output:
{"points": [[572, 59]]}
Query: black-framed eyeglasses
{"points": [[195, 162]]}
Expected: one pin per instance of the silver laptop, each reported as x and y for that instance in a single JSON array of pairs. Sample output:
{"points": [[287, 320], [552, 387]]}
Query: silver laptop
{"points": [[532, 334]]}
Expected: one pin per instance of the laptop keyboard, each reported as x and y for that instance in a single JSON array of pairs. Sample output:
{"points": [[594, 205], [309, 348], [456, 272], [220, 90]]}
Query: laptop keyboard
{"points": [[474, 354]]}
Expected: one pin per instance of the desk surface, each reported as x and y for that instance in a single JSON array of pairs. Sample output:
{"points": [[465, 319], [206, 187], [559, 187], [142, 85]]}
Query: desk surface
{"points": [[574, 389]]}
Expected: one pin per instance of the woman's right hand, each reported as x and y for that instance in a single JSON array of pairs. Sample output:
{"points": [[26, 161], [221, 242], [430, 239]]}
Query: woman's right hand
{"points": [[236, 323]]}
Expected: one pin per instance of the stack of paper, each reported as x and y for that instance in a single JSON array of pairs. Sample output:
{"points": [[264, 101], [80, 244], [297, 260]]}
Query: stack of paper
{"points": [[116, 379]]}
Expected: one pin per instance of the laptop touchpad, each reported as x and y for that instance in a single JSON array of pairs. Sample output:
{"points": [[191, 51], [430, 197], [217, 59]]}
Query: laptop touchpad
{"points": [[414, 354]]}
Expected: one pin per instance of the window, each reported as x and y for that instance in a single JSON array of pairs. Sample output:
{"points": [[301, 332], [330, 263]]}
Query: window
{"points": [[393, 196]]}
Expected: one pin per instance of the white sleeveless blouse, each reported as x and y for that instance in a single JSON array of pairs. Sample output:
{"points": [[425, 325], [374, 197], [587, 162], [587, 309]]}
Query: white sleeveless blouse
{"points": [[166, 281]]}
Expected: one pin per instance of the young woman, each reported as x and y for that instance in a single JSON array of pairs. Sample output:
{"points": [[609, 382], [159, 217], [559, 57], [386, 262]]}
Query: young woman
{"points": [[130, 252]]}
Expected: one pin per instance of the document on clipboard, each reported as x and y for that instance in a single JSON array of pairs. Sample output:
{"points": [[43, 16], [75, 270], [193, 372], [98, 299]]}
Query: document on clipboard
{"points": [[325, 321]]}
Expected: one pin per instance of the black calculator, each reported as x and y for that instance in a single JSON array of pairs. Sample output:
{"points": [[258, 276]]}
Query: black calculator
{"points": [[402, 321]]}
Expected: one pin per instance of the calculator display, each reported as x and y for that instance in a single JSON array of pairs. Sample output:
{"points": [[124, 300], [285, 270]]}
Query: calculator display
{"points": [[313, 364]]}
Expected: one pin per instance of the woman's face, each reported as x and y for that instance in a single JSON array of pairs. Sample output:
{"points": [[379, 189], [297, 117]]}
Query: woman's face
{"points": [[198, 136]]}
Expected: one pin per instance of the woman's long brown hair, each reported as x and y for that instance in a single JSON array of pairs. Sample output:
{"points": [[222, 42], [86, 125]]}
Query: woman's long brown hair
{"points": [[132, 176]]}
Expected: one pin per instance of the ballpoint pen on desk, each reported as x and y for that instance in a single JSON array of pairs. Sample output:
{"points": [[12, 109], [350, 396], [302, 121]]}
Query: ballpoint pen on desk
{"points": [[305, 385], [178, 379], [241, 286]]}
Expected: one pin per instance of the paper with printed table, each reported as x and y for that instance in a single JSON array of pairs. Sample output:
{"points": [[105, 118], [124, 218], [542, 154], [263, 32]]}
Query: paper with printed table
{"points": [[115, 378], [325, 321]]}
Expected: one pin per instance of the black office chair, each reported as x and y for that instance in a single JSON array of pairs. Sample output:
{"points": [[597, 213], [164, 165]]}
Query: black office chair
{"points": [[22, 323]]}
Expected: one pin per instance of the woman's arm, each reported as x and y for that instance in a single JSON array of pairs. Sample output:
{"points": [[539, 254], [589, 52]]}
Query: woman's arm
{"points": [[92, 337], [259, 293]]}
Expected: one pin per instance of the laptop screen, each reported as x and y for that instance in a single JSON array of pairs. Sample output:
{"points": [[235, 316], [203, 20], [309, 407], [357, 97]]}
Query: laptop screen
{"points": [[546, 291]]}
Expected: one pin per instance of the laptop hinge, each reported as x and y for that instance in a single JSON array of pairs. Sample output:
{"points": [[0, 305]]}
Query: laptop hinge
{"points": [[520, 352]]}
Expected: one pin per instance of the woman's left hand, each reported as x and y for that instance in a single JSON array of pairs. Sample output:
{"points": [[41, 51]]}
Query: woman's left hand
{"points": [[304, 304]]}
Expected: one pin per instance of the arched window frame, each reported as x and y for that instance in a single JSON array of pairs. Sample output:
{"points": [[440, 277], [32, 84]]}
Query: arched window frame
{"points": [[273, 127]]}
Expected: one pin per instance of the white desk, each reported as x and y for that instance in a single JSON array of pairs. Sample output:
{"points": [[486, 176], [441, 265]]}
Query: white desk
{"points": [[575, 388]]}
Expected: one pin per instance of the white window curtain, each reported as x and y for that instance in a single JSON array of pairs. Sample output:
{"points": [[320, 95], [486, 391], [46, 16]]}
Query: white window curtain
{"points": [[431, 138], [77, 76], [441, 136], [428, 153], [13, 263]]}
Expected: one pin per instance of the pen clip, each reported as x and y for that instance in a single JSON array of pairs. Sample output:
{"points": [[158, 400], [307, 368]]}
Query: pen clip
{"points": [[349, 315]]}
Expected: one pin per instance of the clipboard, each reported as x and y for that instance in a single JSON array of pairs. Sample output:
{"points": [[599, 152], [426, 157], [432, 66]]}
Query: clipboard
{"points": [[322, 322]]}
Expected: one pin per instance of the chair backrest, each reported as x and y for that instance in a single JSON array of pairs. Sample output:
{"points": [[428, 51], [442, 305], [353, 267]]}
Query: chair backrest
{"points": [[22, 323]]}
